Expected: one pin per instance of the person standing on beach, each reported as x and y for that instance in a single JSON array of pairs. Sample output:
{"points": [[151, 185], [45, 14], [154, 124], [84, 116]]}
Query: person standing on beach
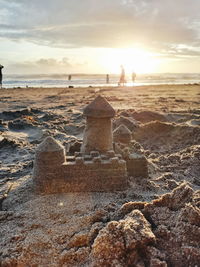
{"points": [[107, 78], [122, 79], [1, 75], [133, 76]]}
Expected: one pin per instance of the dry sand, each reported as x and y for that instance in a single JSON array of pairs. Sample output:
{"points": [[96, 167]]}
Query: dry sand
{"points": [[156, 222]]}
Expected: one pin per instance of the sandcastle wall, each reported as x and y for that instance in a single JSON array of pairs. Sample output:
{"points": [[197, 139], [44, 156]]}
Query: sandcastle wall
{"points": [[89, 174]]}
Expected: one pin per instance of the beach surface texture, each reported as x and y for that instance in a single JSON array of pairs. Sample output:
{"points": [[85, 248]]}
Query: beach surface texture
{"points": [[154, 222]]}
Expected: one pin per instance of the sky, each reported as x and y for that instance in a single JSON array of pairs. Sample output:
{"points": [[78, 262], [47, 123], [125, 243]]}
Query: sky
{"points": [[97, 36]]}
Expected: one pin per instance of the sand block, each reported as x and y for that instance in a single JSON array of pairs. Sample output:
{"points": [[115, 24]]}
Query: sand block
{"points": [[137, 165]]}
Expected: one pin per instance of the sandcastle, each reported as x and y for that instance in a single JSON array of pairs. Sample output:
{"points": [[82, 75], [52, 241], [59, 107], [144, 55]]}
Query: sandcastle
{"points": [[96, 168]]}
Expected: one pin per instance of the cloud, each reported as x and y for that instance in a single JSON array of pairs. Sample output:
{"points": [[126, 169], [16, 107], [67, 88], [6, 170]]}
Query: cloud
{"points": [[48, 66], [160, 25], [43, 65]]}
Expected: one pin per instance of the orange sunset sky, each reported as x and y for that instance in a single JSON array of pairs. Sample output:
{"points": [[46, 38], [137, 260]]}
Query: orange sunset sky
{"points": [[97, 36]]}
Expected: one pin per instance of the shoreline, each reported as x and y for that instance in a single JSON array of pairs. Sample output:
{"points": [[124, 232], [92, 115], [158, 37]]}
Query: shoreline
{"points": [[100, 86]]}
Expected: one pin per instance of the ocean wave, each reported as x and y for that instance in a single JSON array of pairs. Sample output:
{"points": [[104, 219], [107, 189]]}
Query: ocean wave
{"points": [[85, 80]]}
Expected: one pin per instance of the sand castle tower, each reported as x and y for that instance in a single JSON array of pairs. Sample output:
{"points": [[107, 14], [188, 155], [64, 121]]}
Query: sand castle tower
{"points": [[122, 134], [49, 156], [98, 131]]}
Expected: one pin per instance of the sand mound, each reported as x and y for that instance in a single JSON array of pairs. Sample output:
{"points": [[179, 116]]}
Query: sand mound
{"points": [[179, 166], [48, 116], [162, 136], [121, 243], [11, 115], [148, 116], [20, 124], [130, 123], [155, 127], [7, 142], [160, 234], [90, 230]]}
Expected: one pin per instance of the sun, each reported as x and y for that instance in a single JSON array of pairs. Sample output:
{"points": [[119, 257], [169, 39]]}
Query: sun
{"points": [[133, 60]]}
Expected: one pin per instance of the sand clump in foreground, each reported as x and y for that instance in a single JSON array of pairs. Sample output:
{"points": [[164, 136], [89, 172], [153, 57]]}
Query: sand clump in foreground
{"points": [[76, 230], [153, 223]]}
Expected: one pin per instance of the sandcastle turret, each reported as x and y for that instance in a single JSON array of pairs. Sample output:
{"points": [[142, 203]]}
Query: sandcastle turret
{"points": [[122, 134], [98, 131], [49, 155]]}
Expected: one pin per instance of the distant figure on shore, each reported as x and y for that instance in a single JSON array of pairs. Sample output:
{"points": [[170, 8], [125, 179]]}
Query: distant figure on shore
{"points": [[133, 76], [107, 78], [1, 75], [122, 79], [69, 77]]}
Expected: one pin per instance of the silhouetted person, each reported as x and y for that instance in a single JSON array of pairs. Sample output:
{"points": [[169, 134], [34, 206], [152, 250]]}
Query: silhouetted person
{"points": [[122, 79], [1, 75], [133, 76], [107, 78], [69, 77]]}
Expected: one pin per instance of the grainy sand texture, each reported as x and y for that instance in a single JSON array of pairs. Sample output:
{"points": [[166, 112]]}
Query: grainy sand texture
{"points": [[155, 222]]}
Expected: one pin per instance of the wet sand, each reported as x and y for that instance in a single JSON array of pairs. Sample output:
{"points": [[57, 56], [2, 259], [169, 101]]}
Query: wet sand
{"points": [[157, 97]]}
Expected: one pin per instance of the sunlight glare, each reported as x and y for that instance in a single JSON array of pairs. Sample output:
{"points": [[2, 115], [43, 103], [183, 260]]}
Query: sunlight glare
{"points": [[133, 59]]}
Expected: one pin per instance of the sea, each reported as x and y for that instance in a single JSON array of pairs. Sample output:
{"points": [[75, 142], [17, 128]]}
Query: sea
{"points": [[96, 80]]}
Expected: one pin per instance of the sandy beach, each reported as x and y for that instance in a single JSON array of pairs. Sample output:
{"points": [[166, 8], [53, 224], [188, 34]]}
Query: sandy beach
{"points": [[155, 97], [80, 229]]}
